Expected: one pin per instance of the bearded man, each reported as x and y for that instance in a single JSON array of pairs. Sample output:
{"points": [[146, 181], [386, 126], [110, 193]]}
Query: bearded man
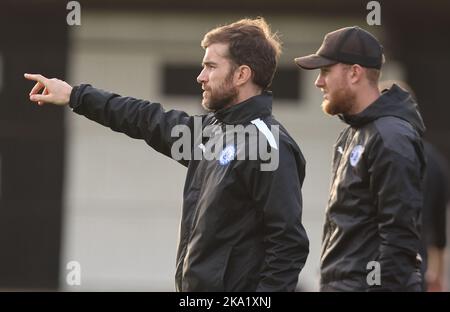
{"points": [[371, 236], [241, 227]]}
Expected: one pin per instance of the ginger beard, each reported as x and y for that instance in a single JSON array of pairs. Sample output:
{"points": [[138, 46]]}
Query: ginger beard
{"points": [[338, 101]]}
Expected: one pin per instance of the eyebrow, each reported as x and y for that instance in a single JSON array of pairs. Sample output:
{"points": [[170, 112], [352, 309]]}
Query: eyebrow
{"points": [[208, 63]]}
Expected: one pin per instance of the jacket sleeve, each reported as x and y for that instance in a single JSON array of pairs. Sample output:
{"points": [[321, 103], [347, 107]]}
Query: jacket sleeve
{"points": [[396, 172], [278, 193], [136, 118]]}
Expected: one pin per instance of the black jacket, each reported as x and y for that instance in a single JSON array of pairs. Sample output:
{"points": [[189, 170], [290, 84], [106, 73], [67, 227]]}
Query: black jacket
{"points": [[375, 203], [241, 227]]}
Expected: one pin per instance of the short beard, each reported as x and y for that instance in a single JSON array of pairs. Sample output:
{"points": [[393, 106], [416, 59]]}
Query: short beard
{"points": [[225, 95], [342, 103]]}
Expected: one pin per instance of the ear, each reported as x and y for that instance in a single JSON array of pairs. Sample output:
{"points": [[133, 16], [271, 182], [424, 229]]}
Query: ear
{"points": [[242, 74], [356, 73]]}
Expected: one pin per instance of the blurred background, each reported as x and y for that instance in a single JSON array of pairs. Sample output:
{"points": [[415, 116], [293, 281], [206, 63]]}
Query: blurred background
{"points": [[72, 190]]}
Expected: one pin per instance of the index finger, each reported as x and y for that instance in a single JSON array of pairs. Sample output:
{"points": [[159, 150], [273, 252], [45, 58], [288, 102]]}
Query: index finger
{"points": [[36, 77]]}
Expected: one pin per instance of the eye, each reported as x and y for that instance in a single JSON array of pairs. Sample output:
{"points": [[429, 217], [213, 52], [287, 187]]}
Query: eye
{"points": [[324, 71]]}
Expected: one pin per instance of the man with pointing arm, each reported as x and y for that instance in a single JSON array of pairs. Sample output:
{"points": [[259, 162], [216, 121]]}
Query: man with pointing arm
{"points": [[241, 224]]}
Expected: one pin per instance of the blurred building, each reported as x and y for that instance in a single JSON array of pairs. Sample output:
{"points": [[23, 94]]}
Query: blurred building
{"points": [[113, 204]]}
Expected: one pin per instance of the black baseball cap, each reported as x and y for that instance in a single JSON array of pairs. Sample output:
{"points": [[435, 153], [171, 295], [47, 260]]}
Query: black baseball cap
{"points": [[349, 45]]}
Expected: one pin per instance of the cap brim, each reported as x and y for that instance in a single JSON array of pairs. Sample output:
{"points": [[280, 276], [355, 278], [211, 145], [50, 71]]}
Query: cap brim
{"points": [[313, 61]]}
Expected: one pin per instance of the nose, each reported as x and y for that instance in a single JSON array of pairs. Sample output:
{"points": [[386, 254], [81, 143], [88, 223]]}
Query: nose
{"points": [[202, 77], [319, 81]]}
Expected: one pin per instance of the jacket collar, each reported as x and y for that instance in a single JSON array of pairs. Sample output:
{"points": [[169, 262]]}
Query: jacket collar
{"points": [[394, 102], [255, 107]]}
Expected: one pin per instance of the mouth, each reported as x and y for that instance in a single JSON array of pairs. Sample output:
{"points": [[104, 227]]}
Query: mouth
{"points": [[205, 89]]}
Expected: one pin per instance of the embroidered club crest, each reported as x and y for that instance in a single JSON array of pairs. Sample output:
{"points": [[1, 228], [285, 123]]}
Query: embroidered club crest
{"points": [[355, 155], [227, 155]]}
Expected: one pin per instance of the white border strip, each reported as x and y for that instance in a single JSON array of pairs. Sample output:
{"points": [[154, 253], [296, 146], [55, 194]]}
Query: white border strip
{"points": [[261, 125]]}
